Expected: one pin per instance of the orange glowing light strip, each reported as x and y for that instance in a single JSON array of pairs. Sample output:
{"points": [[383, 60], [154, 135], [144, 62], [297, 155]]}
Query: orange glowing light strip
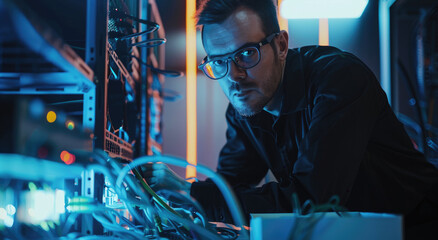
{"points": [[209, 70], [323, 32], [191, 70], [281, 20]]}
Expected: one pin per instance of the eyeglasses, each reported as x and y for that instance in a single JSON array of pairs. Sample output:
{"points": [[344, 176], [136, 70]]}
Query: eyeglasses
{"points": [[245, 57]]}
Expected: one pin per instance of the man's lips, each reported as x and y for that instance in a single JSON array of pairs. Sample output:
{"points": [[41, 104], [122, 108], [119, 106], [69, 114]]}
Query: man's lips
{"points": [[243, 93]]}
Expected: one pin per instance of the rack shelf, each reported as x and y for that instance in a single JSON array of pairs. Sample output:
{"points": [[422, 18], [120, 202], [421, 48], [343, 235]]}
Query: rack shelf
{"points": [[117, 147], [47, 170], [33, 59]]}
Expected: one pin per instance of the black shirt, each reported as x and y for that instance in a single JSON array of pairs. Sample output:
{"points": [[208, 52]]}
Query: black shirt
{"points": [[336, 135]]}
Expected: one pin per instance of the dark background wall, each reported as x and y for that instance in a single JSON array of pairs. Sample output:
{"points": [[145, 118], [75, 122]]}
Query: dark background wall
{"points": [[359, 36]]}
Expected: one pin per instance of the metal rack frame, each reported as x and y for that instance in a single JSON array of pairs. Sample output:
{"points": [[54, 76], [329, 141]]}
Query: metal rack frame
{"points": [[43, 64]]}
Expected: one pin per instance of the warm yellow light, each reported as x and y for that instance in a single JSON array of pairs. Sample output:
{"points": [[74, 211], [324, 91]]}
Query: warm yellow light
{"points": [[191, 71], [281, 20], [323, 32], [51, 116], [209, 70]]}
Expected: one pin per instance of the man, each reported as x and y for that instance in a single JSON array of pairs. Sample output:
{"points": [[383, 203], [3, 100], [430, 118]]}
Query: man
{"points": [[315, 116]]}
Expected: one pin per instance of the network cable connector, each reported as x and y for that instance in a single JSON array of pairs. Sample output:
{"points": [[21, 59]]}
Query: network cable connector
{"points": [[41, 205], [30, 208], [7, 208], [112, 201]]}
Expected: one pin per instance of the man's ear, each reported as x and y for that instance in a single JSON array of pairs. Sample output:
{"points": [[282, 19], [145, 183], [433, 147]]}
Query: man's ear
{"points": [[283, 44]]}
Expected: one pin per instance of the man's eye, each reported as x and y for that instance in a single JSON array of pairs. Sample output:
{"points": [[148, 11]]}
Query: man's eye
{"points": [[218, 62], [247, 52]]}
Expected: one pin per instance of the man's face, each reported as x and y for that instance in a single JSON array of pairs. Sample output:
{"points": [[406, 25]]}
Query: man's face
{"points": [[248, 90]]}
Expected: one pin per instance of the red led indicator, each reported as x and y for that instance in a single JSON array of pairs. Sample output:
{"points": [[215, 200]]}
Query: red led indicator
{"points": [[67, 157]]}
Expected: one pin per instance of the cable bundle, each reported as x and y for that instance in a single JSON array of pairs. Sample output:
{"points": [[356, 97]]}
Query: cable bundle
{"points": [[153, 214]]}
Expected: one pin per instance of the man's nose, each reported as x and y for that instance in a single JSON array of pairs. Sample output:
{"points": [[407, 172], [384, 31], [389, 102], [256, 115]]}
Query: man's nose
{"points": [[236, 73]]}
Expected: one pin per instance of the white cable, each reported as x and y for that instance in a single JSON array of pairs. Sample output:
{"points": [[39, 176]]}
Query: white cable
{"points": [[116, 227], [223, 186], [121, 192], [186, 197], [197, 228], [203, 231]]}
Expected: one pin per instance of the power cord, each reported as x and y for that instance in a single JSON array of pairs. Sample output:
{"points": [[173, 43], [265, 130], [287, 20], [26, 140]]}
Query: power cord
{"points": [[167, 73], [120, 16]]}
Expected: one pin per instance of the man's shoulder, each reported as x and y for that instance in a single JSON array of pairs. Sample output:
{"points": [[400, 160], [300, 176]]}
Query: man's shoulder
{"points": [[328, 69], [320, 59], [317, 53], [311, 50]]}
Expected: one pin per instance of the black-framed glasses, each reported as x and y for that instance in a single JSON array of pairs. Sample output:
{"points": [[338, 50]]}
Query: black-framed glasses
{"points": [[245, 57]]}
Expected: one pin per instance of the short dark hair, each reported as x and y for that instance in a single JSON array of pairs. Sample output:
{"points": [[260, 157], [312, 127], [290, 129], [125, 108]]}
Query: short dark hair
{"points": [[216, 11]]}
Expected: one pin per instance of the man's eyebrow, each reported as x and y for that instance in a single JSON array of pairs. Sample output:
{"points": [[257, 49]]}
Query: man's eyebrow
{"points": [[240, 48]]}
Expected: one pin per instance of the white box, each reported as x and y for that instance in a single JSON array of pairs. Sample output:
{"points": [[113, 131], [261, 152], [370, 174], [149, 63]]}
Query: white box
{"points": [[326, 226]]}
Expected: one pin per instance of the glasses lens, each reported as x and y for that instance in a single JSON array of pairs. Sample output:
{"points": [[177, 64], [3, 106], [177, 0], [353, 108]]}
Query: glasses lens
{"points": [[215, 68], [248, 57]]}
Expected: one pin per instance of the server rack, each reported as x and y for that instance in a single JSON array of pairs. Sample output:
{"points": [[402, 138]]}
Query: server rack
{"points": [[414, 69], [40, 59]]}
